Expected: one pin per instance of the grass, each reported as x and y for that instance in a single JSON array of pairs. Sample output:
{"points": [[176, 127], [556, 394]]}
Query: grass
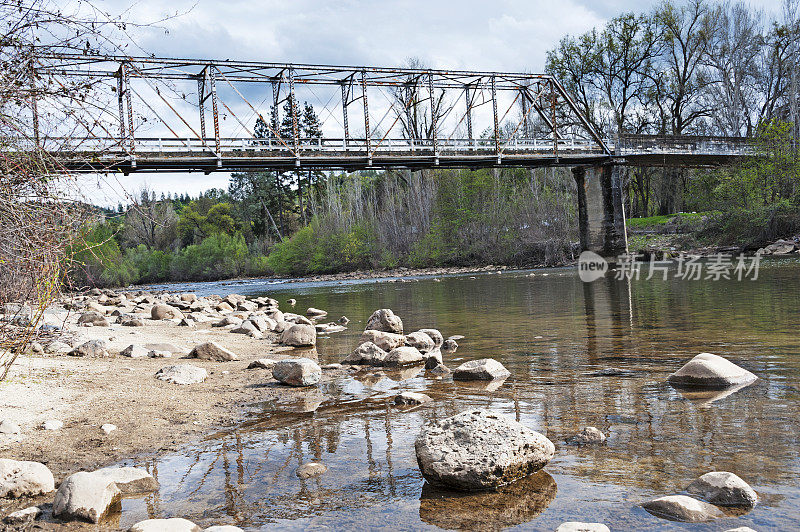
{"points": [[652, 221]]}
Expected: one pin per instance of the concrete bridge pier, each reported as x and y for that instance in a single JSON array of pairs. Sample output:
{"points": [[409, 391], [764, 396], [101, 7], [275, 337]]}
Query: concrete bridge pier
{"points": [[601, 212]]}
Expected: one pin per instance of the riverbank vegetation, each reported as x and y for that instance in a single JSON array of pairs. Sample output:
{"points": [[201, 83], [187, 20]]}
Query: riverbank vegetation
{"points": [[693, 68]]}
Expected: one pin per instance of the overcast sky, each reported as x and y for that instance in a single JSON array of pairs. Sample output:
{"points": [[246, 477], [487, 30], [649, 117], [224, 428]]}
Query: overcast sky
{"points": [[497, 35]]}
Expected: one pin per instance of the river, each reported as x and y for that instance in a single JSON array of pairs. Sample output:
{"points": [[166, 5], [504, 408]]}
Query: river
{"points": [[580, 354]]}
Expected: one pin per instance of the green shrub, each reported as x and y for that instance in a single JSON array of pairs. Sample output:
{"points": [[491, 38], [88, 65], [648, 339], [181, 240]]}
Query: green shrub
{"points": [[219, 256]]}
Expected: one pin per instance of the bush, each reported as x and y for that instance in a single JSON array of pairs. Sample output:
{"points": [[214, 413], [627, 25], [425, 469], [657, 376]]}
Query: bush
{"points": [[219, 256], [153, 266]]}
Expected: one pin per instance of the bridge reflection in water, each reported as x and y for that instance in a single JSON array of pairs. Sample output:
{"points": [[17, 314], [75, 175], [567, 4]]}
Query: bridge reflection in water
{"points": [[580, 355]]}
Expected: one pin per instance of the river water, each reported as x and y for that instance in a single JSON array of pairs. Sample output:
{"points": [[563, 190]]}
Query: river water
{"points": [[580, 354]]}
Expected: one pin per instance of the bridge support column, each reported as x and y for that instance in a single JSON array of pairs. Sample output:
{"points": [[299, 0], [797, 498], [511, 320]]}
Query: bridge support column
{"points": [[601, 216]]}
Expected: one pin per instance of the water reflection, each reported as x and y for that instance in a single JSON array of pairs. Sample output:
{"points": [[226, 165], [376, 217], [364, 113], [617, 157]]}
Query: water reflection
{"points": [[580, 354]]}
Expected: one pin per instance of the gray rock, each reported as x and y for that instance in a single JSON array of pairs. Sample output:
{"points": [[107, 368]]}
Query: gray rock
{"points": [[182, 374], [228, 320], [156, 353], [421, 341], [385, 320], [449, 346], [385, 340], [9, 427], [52, 424], [261, 363], [485, 369], [212, 351], [165, 312], [412, 398], [403, 356], [23, 516], [134, 351], [682, 508], [297, 319], [17, 311], [315, 312], [439, 370], [93, 317], [577, 526], [299, 335], [587, 436], [310, 469], [92, 348], [366, 354], [174, 524], [57, 347], [86, 497], [710, 371], [723, 489], [297, 372], [187, 322], [344, 320], [435, 335], [129, 480], [478, 449], [263, 324], [24, 479], [246, 327]]}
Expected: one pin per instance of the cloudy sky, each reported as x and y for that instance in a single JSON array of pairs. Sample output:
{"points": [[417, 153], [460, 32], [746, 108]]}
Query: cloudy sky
{"points": [[498, 35]]}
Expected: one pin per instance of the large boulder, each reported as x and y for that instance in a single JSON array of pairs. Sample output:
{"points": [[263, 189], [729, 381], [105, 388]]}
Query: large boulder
{"points": [[682, 508], [165, 312], [212, 351], [23, 479], [299, 335], [403, 356], [421, 341], [385, 320], [93, 317], [385, 340], [723, 489], [434, 335], [710, 371], [478, 449], [182, 374], [174, 524], [366, 354], [485, 369], [86, 496], [129, 480], [92, 348], [297, 372]]}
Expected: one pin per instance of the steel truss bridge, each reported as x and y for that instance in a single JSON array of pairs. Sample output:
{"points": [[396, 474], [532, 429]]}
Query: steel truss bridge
{"points": [[145, 114]]}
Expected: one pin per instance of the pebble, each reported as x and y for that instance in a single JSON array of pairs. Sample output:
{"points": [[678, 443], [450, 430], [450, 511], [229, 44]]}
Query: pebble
{"points": [[108, 428], [52, 424], [7, 427]]}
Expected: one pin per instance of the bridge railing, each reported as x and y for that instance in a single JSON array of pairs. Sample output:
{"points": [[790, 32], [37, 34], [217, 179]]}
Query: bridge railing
{"points": [[682, 144]]}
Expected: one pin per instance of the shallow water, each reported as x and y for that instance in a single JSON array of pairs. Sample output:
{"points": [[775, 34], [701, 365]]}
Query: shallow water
{"points": [[580, 354]]}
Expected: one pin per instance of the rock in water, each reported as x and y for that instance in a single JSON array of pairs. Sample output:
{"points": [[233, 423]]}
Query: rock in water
{"points": [[129, 480], [723, 489], [710, 371], [449, 346], [477, 450], [366, 354], [587, 436], [182, 374], [421, 341], [23, 479], [485, 369], [412, 398], [86, 497], [175, 524], [577, 526], [385, 340], [403, 356], [310, 469], [315, 312], [299, 335], [435, 335], [682, 508], [297, 372], [385, 320], [212, 351]]}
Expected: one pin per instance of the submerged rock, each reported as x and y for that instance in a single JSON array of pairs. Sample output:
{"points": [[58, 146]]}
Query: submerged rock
{"points": [[477, 450], [682, 508], [310, 469], [212, 351], [299, 335], [86, 496], [485, 369], [412, 398], [723, 489], [22, 478], [175, 524], [182, 374], [385, 320], [297, 372], [587, 436], [710, 371]]}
